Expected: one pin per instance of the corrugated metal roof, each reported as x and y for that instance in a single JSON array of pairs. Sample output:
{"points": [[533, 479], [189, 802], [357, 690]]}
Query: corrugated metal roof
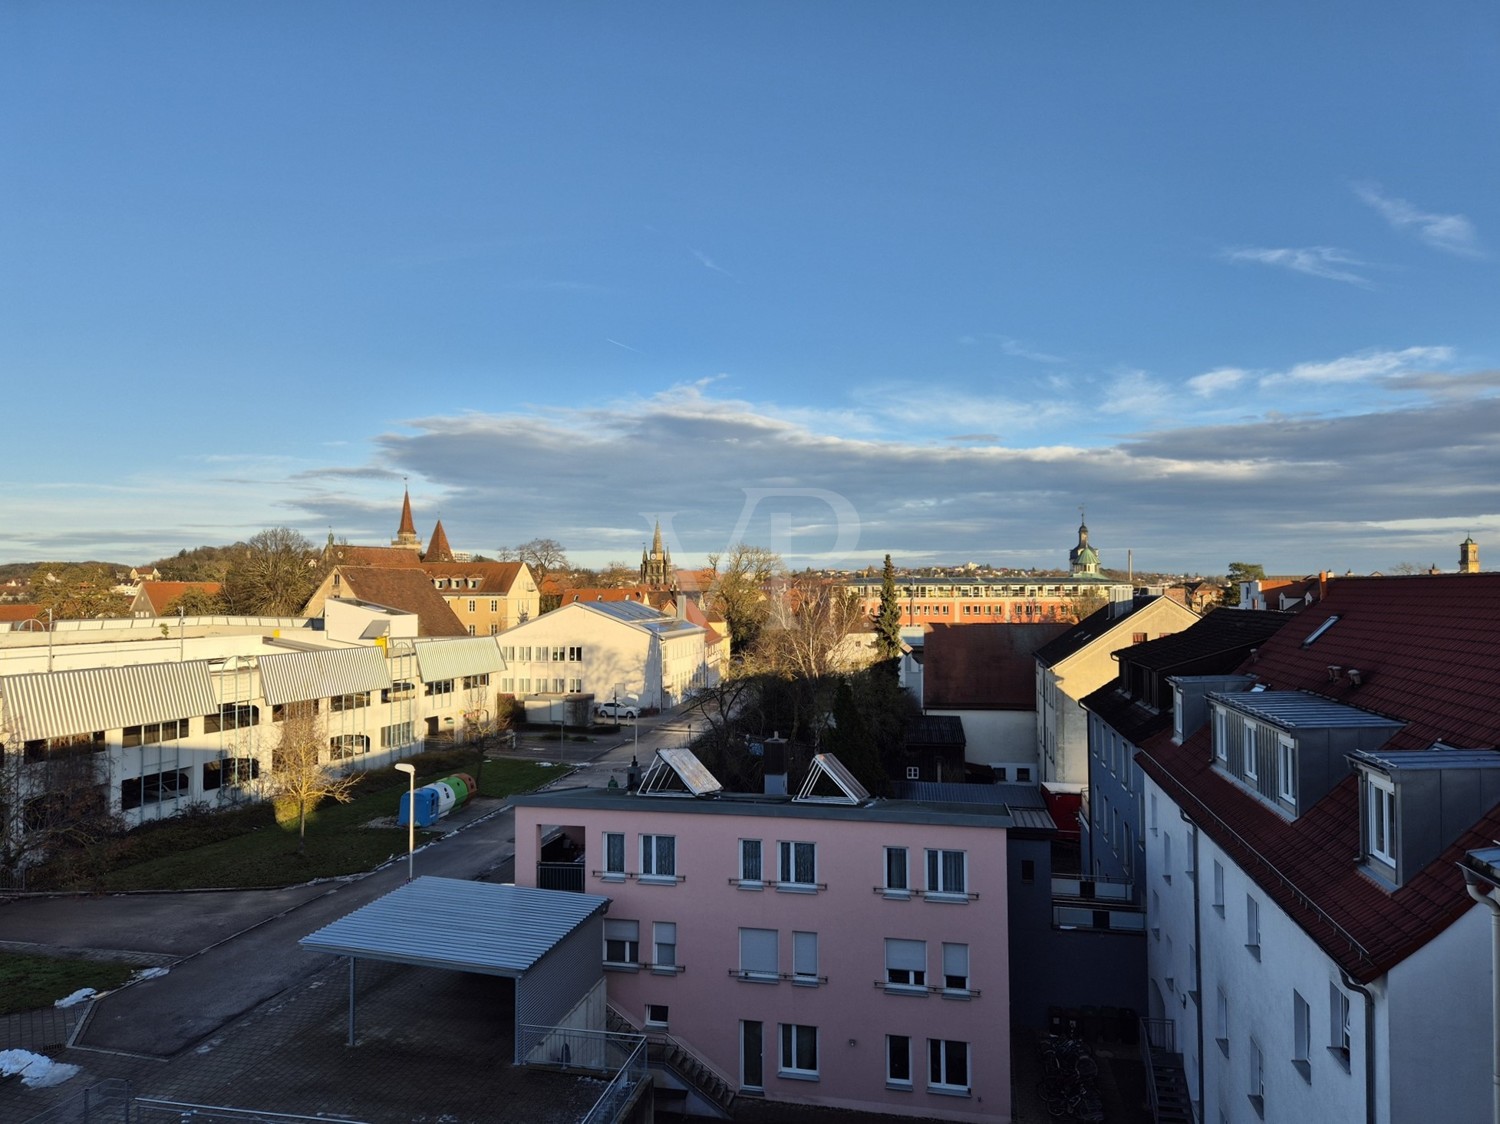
{"points": [[1403, 760], [1300, 710], [459, 925], [453, 659], [56, 704], [299, 676]]}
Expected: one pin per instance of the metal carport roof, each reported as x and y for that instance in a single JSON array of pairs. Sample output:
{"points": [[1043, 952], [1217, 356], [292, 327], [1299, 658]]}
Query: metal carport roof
{"points": [[459, 925]]}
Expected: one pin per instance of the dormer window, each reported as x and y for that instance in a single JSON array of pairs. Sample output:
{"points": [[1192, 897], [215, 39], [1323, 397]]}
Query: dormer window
{"points": [[1252, 770], [1286, 768]]}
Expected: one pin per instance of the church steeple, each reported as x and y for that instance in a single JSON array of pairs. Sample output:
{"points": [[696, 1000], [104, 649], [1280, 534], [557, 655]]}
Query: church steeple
{"points": [[656, 565], [1083, 559], [406, 534]]}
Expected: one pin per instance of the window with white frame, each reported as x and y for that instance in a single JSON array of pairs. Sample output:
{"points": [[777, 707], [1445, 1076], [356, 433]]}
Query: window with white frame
{"points": [[759, 958], [898, 1060], [750, 863], [622, 942], [1218, 899], [1221, 1022], [955, 967], [1252, 926], [664, 945], [947, 873], [656, 1014], [1338, 1024], [1301, 1035], [799, 1051], [1286, 768], [1155, 816], [798, 867], [1251, 762], [947, 1066], [614, 853], [905, 964], [897, 879], [1166, 858], [1380, 818], [804, 957], [659, 857], [1221, 735]]}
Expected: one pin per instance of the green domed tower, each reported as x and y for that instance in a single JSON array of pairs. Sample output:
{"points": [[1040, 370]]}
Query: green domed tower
{"points": [[1083, 559]]}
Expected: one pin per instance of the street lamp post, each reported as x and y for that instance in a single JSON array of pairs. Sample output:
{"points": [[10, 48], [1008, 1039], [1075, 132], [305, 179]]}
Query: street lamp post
{"points": [[411, 816]]}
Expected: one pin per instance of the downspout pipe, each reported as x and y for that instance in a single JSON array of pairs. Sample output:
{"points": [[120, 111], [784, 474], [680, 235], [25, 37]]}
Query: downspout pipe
{"points": [[1353, 985], [1484, 893]]}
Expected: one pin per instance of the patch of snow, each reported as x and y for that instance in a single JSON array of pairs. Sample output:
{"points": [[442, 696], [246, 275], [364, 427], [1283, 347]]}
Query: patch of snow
{"points": [[76, 998], [150, 973], [37, 1071]]}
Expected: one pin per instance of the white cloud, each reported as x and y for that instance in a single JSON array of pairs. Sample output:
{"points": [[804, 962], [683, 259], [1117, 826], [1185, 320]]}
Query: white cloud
{"points": [[1454, 234], [1134, 392], [1359, 368], [709, 263], [1216, 381], [1315, 261]]}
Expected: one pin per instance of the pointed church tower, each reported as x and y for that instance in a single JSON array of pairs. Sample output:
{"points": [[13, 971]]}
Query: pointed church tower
{"points": [[438, 549], [656, 566], [406, 534]]}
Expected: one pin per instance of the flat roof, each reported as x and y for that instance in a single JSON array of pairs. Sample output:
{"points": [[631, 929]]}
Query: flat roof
{"points": [[784, 807], [459, 925], [1300, 710]]}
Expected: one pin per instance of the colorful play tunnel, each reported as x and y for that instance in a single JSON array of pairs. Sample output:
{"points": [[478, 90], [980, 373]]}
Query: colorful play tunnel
{"points": [[434, 801]]}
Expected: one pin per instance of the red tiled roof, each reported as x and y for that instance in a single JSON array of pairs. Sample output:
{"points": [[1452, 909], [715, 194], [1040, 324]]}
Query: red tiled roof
{"points": [[162, 594], [408, 527], [400, 557], [408, 590], [614, 593], [984, 666], [438, 549], [495, 578], [20, 611], [1424, 647]]}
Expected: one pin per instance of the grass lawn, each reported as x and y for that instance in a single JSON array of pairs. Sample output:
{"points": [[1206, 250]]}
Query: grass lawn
{"points": [[190, 853], [28, 983]]}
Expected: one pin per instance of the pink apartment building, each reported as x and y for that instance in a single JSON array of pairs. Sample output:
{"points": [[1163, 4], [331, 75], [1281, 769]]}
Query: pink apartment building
{"points": [[838, 951]]}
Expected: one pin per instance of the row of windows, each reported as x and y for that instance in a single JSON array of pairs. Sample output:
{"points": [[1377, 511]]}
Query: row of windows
{"points": [[474, 605], [542, 653], [1339, 1038], [524, 686], [798, 1058], [796, 866]]}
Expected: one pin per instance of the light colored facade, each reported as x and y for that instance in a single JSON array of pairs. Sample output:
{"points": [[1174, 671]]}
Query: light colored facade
{"points": [[193, 719], [846, 956], [1311, 940], [1080, 662], [611, 649], [990, 600], [487, 597]]}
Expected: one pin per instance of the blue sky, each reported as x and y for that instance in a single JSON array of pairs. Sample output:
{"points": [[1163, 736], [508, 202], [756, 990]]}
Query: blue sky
{"points": [[837, 278]]}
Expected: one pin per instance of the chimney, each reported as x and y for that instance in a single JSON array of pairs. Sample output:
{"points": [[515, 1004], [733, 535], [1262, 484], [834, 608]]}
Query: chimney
{"points": [[682, 606], [775, 765]]}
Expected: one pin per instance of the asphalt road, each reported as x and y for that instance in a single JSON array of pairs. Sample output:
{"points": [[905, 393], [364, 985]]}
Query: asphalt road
{"points": [[229, 951]]}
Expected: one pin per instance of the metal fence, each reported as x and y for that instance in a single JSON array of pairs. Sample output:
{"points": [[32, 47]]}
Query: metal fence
{"points": [[107, 1102]]}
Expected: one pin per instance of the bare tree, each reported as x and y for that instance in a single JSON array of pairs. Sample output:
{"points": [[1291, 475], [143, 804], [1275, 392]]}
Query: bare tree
{"points": [[53, 796], [1086, 604], [272, 575], [195, 603], [807, 629], [298, 773], [617, 574], [738, 590]]}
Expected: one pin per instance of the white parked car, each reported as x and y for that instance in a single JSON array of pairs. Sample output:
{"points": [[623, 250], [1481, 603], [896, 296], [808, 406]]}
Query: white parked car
{"points": [[617, 710]]}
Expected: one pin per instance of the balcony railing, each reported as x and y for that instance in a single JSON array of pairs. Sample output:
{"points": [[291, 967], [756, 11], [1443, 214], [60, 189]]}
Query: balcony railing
{"points": [[622, 1057]]}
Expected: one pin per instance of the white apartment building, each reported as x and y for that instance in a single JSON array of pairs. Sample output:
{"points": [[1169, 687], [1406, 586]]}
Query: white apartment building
{"points": [[611, 649], [1313, 954]]}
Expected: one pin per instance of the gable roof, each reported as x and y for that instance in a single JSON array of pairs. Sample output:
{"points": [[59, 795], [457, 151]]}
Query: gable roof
{"points": [[1086, 631], [409, 590], [1424, 649], [1221, 632], [495, 578], [401, 557], [161, 594], [983, 666]]}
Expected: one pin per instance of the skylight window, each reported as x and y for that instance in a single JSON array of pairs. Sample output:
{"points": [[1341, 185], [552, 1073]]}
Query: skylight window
{"points": [[1322, 628]]}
